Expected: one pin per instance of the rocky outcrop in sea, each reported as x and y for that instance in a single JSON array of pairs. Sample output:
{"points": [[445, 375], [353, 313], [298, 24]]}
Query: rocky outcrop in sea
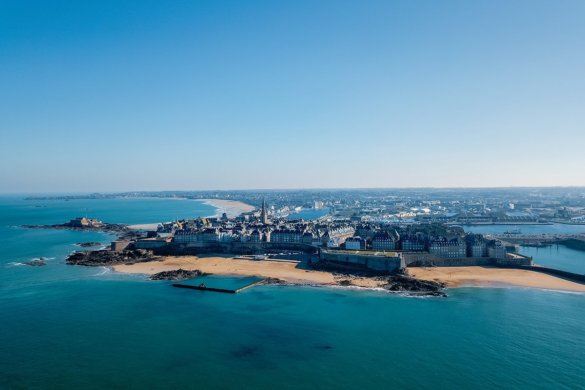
{"points": [[107, 257], [36, 262], [121, 230], [88, 244], [177, 274]]}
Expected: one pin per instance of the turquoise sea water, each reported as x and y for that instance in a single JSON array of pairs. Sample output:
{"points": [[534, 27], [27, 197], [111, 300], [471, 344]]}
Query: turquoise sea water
{"points": [[556, 256], [75, 327], [556, 228]]}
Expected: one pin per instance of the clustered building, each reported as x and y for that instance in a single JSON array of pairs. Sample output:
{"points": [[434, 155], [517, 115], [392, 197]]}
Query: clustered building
{"points": [[286, 232], [437, 239]]}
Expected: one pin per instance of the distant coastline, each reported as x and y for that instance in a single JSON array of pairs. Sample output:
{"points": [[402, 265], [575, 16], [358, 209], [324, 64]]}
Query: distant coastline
{"points": [[232, 208]]}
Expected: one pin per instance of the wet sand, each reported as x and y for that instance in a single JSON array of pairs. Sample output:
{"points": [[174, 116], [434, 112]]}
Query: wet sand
{"points": [[287, 271], [492, 277], [232, 208], [290, 272]]}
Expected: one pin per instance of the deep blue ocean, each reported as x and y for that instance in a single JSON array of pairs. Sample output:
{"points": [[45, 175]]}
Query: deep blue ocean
{"points": [[75, 327]]}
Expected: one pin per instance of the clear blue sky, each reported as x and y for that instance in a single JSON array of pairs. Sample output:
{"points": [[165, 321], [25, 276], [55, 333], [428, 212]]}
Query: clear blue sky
{"points": [[148, 95]]}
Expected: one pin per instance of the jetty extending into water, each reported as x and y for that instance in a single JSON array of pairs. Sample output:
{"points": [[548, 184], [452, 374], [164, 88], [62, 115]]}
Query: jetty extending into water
{"points": [[234, 285]]}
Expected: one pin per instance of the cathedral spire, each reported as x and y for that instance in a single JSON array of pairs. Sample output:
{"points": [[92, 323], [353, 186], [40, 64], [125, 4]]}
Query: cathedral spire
{"points": [[264, 213]]}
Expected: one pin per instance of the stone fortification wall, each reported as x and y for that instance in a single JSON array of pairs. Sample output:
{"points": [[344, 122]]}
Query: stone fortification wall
{"points": [[418, 259], [382, 264], [241, 248]]}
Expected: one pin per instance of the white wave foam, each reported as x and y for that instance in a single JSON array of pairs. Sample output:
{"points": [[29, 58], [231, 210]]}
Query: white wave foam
{"points": [[104, 271]]}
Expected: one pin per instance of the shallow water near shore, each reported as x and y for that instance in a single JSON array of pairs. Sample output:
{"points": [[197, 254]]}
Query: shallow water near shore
{"points": [[65, 326], [557, 256]]}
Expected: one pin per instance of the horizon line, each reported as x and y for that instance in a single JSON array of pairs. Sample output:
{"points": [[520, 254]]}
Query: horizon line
{"points": [[115, 192]]}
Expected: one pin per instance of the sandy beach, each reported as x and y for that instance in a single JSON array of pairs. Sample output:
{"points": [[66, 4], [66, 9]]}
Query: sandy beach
{"points": [[232, 208], [491, 276], [284, 270], [290, 272]]}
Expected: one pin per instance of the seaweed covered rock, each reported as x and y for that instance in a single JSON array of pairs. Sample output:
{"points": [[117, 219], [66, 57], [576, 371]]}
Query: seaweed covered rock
{"points": [[273, 281], [88, 244], [36, 262], [107, 257], [403, 283], [177, 274]]}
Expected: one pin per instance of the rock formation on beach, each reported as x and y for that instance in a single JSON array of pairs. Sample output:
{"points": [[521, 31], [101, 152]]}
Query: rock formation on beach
{"points": [[403, 283]]}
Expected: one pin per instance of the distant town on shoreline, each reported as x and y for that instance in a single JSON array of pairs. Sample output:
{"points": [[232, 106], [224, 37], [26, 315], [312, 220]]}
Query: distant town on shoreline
{"points": [[368, 232], [408, 205]]}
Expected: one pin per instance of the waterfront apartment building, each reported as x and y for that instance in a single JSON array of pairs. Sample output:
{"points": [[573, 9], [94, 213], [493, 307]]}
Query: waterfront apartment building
{"points": [[413, 243], [207, 235], [448, 247], [478, 249], [294, 236], [384, 241], [497, 250], [476, 245], [355, 243]]}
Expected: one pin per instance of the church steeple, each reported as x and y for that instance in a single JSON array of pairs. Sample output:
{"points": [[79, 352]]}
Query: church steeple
{"points": [[264, 213]]}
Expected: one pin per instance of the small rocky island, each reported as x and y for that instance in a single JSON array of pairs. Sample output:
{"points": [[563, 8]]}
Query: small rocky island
{"points": [[177, 274], [90, 224], [107, 257], [36, 262]]}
